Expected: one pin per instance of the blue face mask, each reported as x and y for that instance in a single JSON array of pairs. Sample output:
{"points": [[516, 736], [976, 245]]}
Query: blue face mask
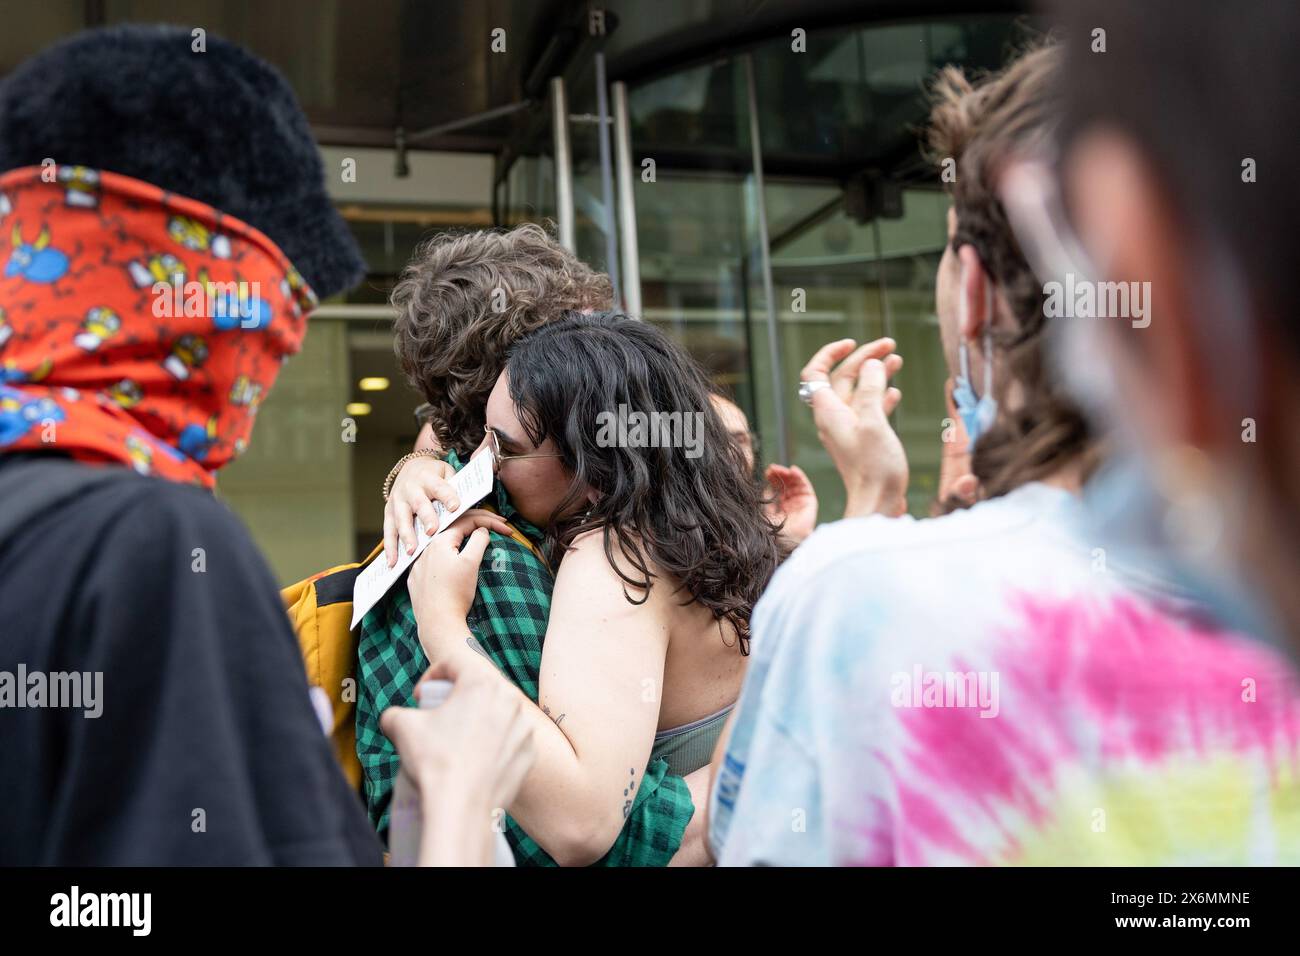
{"points": [[978, 412]]}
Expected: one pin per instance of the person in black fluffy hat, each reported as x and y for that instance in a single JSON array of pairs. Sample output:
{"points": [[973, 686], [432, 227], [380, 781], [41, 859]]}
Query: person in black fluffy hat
{"points": [[164, 232]]}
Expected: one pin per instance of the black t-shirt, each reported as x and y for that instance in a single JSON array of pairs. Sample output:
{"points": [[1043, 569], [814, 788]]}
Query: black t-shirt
{"points": [[206, 749]]}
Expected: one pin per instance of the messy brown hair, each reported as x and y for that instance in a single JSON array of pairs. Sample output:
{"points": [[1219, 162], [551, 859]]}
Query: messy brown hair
{"points": [[978, 125], [464, 299]]}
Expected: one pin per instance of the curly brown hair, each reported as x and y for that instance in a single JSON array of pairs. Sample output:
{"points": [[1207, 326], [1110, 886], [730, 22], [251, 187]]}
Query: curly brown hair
{"points": [[464, 299], [979, 126]]}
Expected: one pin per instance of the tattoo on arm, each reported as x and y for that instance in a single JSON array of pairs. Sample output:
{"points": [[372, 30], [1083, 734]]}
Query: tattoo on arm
{"points": [[547, 712], [630, 793], [476, 647]]}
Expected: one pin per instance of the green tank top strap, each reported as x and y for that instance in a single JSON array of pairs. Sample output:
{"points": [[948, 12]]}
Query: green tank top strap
{"points": [[690, 746]]}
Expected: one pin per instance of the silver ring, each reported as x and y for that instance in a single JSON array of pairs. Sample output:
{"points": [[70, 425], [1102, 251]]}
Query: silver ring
{"points": [[808, 389]]}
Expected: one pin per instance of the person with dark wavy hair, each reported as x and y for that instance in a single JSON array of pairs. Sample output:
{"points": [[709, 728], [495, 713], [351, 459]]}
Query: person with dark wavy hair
{"points": [[605, 435]]}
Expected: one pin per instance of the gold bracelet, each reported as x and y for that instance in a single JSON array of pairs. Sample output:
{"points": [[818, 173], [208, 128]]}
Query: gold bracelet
{"points": [[392, 475]]}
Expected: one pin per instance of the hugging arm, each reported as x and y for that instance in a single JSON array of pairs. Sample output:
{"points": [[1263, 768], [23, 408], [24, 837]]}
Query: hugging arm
{"points": [[599, 692]]}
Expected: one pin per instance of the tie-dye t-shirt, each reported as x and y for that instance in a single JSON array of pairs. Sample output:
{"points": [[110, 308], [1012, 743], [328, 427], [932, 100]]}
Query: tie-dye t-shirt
{"points": [[987, 688]]}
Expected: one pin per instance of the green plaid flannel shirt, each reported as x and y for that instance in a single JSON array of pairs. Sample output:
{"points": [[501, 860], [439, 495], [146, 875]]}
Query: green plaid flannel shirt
{"points": [[508, 618]]}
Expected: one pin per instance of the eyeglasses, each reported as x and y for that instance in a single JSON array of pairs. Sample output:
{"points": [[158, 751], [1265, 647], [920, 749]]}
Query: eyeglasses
{"points": [[494, 443]]}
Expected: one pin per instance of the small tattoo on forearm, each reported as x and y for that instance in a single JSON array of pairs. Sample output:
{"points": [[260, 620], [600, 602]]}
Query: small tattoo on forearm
{"points": [[547, 712], [475, 646]]}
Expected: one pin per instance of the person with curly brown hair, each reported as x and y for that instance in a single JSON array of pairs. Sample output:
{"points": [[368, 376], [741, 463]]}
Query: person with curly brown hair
{"points": [[464, 299], [662, 548], [462, 303]]}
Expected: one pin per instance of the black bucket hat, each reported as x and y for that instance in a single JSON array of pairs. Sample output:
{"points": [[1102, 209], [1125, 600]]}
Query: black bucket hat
{"points": [[220, 126]]}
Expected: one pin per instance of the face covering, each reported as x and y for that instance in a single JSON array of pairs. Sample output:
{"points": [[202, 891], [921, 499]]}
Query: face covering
{"points": [[137, 327], [977, 412]]}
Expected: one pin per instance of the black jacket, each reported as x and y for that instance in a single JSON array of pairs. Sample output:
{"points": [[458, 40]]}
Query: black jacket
{"points": [[206, 750]]}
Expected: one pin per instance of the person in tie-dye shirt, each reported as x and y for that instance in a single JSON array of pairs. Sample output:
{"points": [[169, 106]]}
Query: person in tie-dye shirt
{"points": [[994, 686]]}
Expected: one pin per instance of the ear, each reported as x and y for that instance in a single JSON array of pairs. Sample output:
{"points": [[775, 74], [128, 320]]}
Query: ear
{"points": [[966, 488], [973, 289]]}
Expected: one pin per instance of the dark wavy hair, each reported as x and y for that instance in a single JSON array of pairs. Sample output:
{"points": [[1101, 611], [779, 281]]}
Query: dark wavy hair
{"points": [[697, 521]]}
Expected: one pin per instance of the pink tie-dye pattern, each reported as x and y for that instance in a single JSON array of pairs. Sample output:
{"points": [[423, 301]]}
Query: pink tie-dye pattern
{"points": [[1142, 684]]}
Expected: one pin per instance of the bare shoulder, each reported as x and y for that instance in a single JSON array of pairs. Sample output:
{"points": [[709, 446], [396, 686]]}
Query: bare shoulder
{"points": [[588, 566]]}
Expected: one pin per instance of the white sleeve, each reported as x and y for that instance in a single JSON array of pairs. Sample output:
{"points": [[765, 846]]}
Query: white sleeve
{"points": [[766, 806], [778, 817], [802, 781]]}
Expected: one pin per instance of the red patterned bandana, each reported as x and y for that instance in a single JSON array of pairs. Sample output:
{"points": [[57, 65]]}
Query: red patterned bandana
{"points": [[136, 326]]}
